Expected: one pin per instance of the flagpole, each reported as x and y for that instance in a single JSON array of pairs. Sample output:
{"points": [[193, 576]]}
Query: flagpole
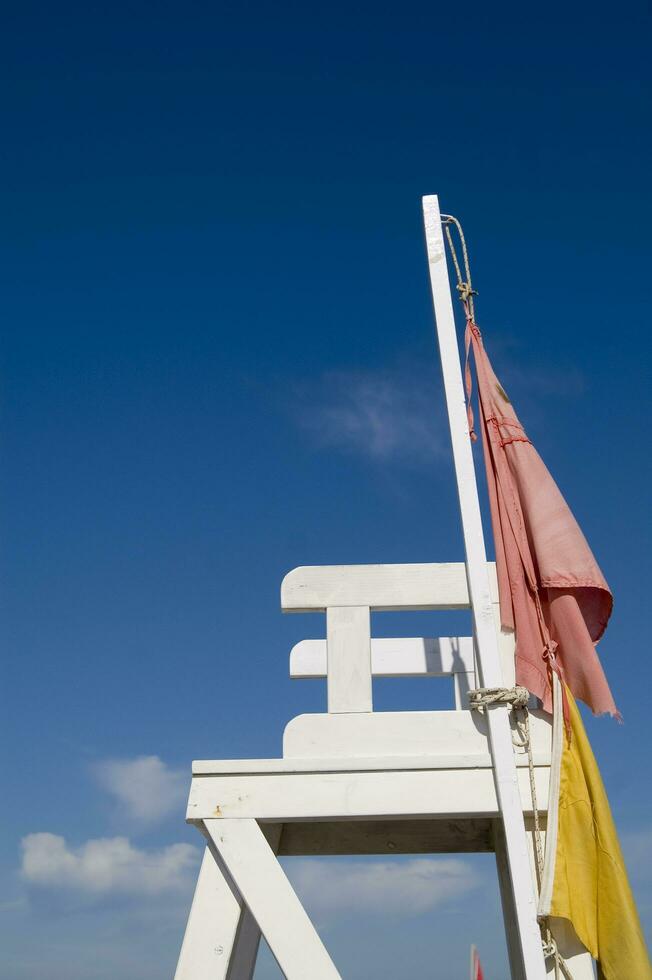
{"points": [[472, 971], [500, 736]]}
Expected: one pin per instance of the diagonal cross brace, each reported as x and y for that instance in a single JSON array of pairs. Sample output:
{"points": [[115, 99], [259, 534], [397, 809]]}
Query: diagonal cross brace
{"points": [[222, 937], [240, 848]]}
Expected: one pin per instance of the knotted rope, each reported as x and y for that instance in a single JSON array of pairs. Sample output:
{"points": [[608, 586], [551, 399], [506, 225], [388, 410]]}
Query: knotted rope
{"points": [[464, 286], [480, 699], [517, 696]]}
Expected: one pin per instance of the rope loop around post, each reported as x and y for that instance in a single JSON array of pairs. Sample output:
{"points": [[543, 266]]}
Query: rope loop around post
{"points": [[464, 285], [482, 697]]}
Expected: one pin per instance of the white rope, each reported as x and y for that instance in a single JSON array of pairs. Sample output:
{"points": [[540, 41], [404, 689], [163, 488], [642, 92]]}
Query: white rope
{"points": [[480, 699], [464, 286], [550, 949]]}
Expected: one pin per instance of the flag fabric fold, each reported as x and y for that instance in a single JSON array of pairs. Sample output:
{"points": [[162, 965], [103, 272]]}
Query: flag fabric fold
{"points": [[552, 592], [585, 880]]}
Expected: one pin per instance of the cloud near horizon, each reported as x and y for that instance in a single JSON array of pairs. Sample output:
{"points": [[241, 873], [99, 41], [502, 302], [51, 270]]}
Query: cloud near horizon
{"points": [[399, 888], [107, 865]]}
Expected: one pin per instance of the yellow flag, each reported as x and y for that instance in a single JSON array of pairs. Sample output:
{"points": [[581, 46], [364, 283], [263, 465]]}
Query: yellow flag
{"points": [[590, 885]]}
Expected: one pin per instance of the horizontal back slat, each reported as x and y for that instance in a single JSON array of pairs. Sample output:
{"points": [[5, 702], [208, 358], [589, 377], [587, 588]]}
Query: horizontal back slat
{"points": [[401, 657], [312, 588]]}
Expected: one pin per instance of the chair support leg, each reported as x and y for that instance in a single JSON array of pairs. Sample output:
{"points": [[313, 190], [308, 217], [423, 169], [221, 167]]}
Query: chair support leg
{"points": [[507, 902], [240, 845], [222, 937]]}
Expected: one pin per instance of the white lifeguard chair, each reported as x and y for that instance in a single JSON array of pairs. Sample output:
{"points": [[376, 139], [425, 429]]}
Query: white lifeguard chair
{"points": [[355, 781]]}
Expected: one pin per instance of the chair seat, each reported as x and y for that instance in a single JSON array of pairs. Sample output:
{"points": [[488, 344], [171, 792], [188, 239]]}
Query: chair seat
{"points": [[444, 738], [320, 789]]}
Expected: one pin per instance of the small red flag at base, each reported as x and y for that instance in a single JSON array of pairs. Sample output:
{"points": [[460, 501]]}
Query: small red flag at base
{"points": [[476, 968]]}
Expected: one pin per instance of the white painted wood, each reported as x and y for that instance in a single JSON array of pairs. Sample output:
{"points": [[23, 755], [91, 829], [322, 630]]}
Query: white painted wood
{"points": [[462, 684], [245, 948], [507, 902], [421, 734], [212, 927], [400, 657], [222, 937], [355, 782], [349, 795], [348, 641], [312, 588], [259, 878], [506, 648], [378, 763], [481, 598]]}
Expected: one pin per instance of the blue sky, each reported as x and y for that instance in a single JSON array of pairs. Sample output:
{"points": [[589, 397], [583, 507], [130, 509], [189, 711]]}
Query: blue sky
{"points": [[218, 362]]}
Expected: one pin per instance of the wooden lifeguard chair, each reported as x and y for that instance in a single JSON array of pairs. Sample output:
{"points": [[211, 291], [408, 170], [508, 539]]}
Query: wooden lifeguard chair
{"points": [[355, 781]]}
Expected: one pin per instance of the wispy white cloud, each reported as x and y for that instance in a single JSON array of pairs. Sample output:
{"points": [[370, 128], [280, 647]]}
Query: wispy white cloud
{"points": [[108, 865], [146, 788], [383, 415], [400, 888], [397, 414]]}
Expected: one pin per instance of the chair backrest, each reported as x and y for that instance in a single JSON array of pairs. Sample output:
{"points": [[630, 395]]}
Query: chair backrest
{"points": [[349, 657], [402, 657]]}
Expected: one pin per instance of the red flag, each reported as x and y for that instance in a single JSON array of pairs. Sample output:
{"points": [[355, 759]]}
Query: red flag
{"points": [[551, 589], [476, 969]]}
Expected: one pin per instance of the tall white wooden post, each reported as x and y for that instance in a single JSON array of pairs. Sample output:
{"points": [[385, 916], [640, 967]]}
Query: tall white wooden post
{"points": [[489, 666]]}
